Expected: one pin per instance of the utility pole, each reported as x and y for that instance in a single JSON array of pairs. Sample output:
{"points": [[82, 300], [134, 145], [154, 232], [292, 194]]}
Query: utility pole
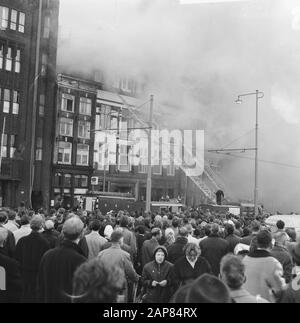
{"points": [[256, 159], [149, 174]]}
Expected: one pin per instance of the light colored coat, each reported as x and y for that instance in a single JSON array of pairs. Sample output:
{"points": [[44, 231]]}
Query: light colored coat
{"points": [[95, 243], [264, 275]]}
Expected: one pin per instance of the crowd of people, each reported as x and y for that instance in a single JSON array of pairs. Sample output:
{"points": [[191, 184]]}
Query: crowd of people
{"points": [[194, 256]]}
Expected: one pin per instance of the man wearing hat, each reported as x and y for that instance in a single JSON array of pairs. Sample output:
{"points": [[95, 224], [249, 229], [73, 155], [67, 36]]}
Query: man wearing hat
{"points": [[58, 265], [292, 293], [29, 252]]}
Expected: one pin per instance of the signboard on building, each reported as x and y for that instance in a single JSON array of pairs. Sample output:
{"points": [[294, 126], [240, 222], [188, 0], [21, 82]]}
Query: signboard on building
{"points": [[95, 180]]}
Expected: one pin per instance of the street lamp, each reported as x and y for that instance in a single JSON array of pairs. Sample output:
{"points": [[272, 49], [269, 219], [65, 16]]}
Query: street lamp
{"points": [[259, 95]]}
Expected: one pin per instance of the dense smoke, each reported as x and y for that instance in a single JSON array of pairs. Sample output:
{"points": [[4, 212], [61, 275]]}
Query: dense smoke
{"points": [[198, 58]]}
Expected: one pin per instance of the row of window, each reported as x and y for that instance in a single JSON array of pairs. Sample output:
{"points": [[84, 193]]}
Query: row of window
{"points": [[8, 146], [12, 19], [68, 104], [66, 126], [11, 101], [65, 180], [65, 154], [10, 59]]}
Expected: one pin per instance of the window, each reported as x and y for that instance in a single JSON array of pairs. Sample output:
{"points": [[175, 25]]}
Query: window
{"points": [[64, 152], [44, 64], [3, 18], [123, 158], [18, 61], [16, 104], [12, 145], [46, 33], [84, 129], [13, 19], [1, 56], [58, 180], [68, 180], [21, 26], [4, 145], [8, 61], [82, 155], [42, 105], [6, 103], [66, 127], [81, 181], [171, 170], [85, 106], [39, 149], [67, 103]]}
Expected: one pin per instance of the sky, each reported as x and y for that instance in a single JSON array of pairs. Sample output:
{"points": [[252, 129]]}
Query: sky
{"points": [[198, 58]]}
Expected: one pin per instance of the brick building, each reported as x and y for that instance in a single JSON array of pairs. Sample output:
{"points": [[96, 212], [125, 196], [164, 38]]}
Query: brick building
{"points": [[28, 47]]}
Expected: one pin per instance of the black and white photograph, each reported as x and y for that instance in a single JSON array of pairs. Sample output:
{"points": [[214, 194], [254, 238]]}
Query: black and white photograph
{"points": [[149, 154]]}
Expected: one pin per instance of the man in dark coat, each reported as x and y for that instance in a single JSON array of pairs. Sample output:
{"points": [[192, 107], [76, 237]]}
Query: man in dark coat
{"points": [[232, 239], [29, 252], [10, 245], [214, 249], [190, 266], [10, 277], [58, 265], [176, 250], [150, 245], [50, 234], [219, 197]]}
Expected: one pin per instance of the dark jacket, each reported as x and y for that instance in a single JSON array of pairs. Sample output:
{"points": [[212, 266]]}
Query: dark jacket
{"points": [[29, 252], [147, 250], [56, 272], [184, 273], [213, 250], [158, 272], [176, 250], [284, 257], [52, 237], [10, 244], [291, 295], [13, 291], [232, 240]]}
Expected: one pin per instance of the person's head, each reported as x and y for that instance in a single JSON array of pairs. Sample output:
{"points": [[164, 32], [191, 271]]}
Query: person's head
{"points": [[175, 222], [170, 235], [208, 289], [238, 225], [229, 228], [72, 228], [246, 232], [160, 254], [117, 237], [156, 233], [292, 234], [281, 238], [255, 226], [25, 220], [49, 225], [3, 236], [108, 231], [232, 272], [181, 295], [95, 225], [189, 228], [11, 215], [264, 239], [183, 232], [96, 282], [36, 223], [3, 217], [124, 221], [215, 229], [280, 225], [192, 252]]}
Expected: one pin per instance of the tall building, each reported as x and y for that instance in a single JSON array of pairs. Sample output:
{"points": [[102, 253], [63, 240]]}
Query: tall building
{"points": [[28, 47]]}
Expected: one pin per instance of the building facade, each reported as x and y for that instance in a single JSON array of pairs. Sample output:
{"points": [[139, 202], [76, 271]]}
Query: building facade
{"points": [[28, 47]]}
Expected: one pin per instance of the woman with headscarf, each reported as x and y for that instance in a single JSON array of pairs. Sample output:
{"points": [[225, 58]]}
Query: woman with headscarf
{"points": [[156, 278]]}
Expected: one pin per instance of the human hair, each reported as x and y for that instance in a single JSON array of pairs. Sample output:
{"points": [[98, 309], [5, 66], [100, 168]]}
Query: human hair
{"points": [[280, 225], [95, 225], [72, 228], [183, 232], [36, 223], [233, 271], [96, 282], [155, 232], [25, 219], [229, 228], [255, 226], [11, 215], [3, 217], [264, 239], [215, 228], [190, 247], [116, 236], [292, 234], [124, 221], [175, 222]]}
